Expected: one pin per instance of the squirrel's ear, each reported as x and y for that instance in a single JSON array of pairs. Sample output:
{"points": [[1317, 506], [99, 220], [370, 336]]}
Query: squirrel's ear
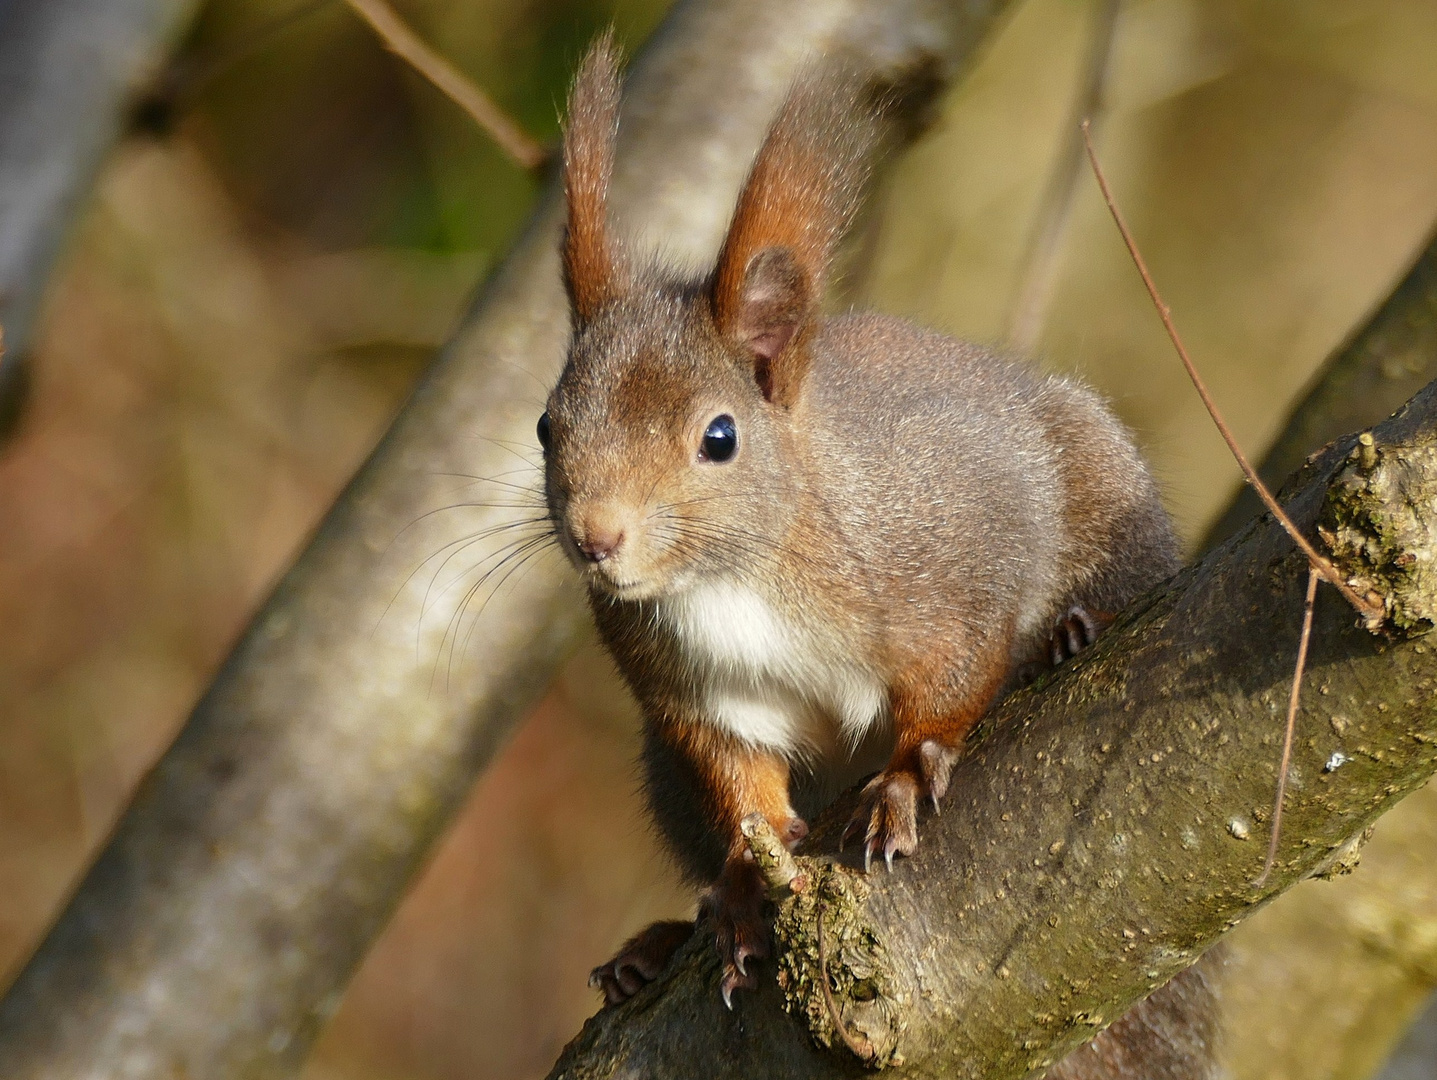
{"points": [[594, 272], [799, 198]]}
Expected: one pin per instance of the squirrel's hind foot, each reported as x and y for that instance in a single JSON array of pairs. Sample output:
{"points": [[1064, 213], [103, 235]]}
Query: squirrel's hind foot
{"points": [[640, 960], [1075, 631], [735, 904]]}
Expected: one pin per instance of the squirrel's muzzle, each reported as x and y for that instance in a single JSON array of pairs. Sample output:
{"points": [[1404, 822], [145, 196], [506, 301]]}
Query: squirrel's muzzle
{"points": [[601, 531]]}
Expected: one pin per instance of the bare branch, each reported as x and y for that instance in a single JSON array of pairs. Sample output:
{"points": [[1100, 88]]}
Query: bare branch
{"points": [[1099, 837], [269, 845], [67, 68], [1288, 982], [1055, 210], [1275, 831], [399, 39], [775, 862]]}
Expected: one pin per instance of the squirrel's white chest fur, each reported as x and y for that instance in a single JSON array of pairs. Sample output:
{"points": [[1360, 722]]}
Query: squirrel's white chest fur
{"points": [[768, 681]]}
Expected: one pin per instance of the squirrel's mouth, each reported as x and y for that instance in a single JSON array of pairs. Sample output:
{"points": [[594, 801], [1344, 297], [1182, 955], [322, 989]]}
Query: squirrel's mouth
{"points": [[620, 588], [623, 580], [631, 568]]}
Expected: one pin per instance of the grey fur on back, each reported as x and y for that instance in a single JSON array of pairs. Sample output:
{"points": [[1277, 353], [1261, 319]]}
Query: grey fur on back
{"points": [[934, 447]]}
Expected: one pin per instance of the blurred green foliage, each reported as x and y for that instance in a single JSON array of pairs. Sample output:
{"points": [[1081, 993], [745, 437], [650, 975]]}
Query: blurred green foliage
{"points": [[327, 134]]}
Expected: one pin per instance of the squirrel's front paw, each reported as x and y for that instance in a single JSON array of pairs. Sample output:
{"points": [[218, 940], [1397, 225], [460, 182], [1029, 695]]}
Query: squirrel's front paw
{"points": [[735, 904], [640, 960], [889, 803]]}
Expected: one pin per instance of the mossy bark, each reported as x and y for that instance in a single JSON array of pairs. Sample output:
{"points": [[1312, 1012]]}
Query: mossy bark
{"points": [[1106, 827]]}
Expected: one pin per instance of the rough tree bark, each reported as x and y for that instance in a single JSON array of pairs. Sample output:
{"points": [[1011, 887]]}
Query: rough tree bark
{"points": [[1107, 826], [267, 847], [68, 68], [1354, 958]]}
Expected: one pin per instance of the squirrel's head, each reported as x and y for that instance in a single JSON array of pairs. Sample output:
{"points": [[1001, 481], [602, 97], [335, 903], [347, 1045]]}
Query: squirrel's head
{"points": [[670, 439]]}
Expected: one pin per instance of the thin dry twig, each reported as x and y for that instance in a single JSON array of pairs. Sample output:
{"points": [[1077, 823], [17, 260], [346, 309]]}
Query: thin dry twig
{"points": [[1371, 613], [1040, 262], [1282, 769], [1317, 564], [399, 39]]}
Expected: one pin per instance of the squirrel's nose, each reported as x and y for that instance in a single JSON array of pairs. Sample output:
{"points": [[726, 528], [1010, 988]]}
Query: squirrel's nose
{"points": [[598, 544]]}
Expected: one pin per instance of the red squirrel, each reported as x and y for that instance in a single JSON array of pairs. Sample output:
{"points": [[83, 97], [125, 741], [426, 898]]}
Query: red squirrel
{"points": [[811, 543]]}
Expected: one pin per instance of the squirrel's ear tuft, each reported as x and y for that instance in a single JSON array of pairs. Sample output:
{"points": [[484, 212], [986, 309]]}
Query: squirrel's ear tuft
{"points": [[593, 269], [799, 199]]}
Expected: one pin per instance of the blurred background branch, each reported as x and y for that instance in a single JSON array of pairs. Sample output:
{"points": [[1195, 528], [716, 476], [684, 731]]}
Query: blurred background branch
{"points": [[1390, 357], [1413, 1058], [1355, 959], [1039, 273], [68, 70]]}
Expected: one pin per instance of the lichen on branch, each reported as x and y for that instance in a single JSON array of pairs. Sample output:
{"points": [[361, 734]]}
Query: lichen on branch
{"points": [[1378, 524]]}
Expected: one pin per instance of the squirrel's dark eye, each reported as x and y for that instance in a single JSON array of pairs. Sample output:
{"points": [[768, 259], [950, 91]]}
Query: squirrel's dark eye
{"points": [[720, 439], [543, 431]]}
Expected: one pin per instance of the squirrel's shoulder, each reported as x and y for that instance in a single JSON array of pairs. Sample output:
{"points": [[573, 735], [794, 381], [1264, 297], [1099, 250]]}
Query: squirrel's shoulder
{"points": [[892, 360]]}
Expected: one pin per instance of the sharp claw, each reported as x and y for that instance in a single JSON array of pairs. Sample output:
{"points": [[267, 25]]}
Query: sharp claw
{"points": [[933, 798], [888, 857], [740, 961], [726, 990], [867, 856]]}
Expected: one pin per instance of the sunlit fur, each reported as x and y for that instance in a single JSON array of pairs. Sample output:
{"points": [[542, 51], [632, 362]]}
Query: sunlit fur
{"points": [[904, 521], [921, 502]]}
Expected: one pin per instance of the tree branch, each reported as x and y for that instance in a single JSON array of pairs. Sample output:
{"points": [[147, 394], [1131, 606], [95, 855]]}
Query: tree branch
{"points": [[1310, 963], [1104, 830], [399, 39], [1050, 223], [268, 846], [67, 68]]}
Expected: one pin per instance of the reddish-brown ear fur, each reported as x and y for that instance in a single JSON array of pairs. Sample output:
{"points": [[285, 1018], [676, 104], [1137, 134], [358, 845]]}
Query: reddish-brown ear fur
{"points": [[796, 204], [593, 271]]}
